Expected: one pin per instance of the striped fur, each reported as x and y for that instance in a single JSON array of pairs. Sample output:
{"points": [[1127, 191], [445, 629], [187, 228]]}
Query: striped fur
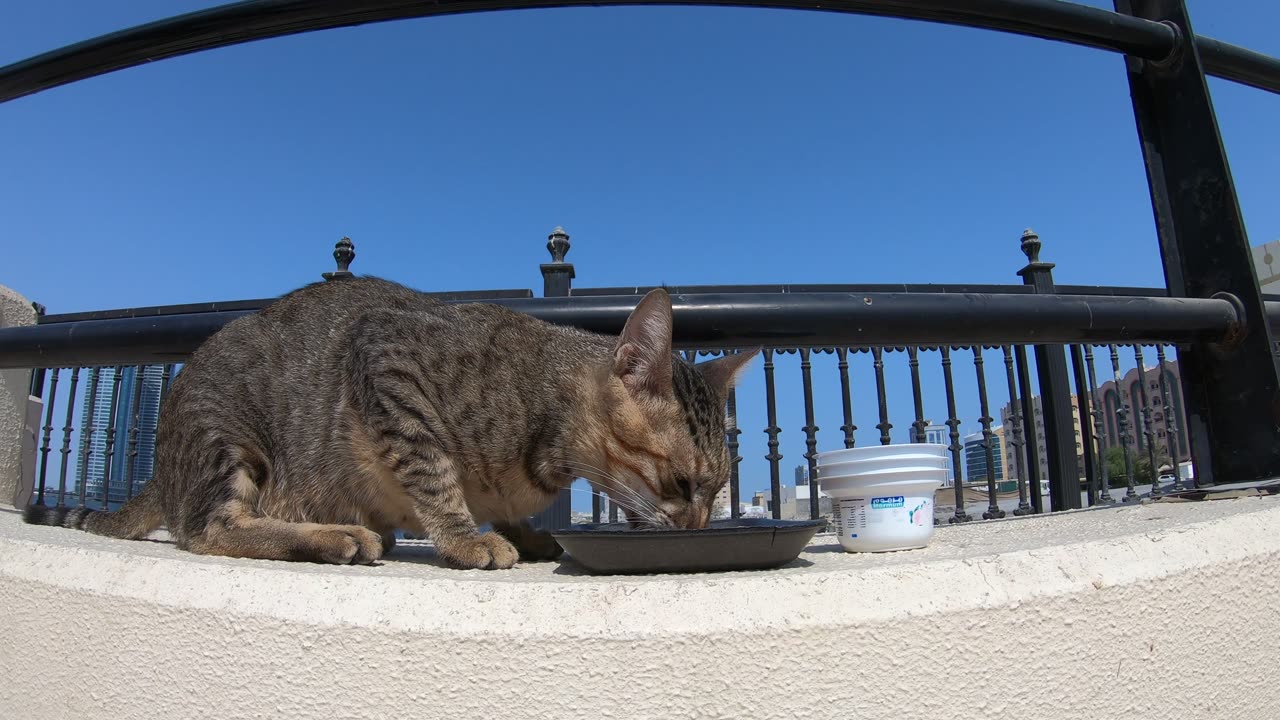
{"points": [[351, 409]]}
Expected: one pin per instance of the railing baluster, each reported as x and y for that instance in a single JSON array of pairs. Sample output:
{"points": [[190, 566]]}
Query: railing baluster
{"points": [[848, 427], [1083, 405], [66, 438], [771, 403], [735, 458], [131, 462], [1122, 420], [86, 432], [953, 422], [48, 433], [884, 426], [1170, 423], [1032, 440], [993, 510], [810, 431], [1148, 431], [919, 424], [1098, 430], [166, 379], [1015, 423], [596, 509], [108, 455]]}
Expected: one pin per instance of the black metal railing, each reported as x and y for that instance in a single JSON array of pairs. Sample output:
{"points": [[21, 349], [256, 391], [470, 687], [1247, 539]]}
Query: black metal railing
{"points": [[1228, 377], [110, 408]]}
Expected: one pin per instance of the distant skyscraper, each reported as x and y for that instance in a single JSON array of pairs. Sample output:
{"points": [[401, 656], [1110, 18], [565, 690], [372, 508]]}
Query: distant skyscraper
{"points": [[137, 411], [975, 458], [802, 475]]}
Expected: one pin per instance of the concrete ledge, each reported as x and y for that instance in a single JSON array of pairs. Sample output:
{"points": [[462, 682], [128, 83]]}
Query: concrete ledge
{"points": [[1157, 611]]}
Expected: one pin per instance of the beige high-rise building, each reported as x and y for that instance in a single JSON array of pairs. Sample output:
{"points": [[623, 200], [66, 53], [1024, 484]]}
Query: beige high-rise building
{"points": [[1042, 472]]}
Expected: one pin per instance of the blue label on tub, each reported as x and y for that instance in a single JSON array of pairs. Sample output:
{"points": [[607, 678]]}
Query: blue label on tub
{"points": [[884, 503]]}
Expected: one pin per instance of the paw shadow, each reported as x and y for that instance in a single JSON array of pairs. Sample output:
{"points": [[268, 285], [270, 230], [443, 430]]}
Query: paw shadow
{"points": [[417, 554], [570, 567]]}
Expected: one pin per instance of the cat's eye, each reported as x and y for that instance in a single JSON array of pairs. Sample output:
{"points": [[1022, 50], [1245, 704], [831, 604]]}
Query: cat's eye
{"points": [[686, 487]]}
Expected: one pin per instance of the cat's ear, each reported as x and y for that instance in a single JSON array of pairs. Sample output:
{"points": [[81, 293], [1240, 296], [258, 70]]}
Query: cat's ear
{"points": [[642, 357], [722, 373]]}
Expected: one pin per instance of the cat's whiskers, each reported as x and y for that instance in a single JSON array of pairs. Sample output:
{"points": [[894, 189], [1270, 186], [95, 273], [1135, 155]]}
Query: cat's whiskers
{"points": [[622, 488], [643, 516], [640, 506], [616, 482]]}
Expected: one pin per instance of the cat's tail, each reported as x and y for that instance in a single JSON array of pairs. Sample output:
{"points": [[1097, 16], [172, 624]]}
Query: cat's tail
{"points": [[135, 520]]}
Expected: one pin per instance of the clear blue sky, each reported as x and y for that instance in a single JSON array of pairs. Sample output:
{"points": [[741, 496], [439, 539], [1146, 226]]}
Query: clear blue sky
{"points": [[677, 145]]}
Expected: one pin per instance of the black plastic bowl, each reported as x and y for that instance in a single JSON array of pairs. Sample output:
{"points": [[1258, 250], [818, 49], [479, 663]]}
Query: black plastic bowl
{"points": [[743, 544]]}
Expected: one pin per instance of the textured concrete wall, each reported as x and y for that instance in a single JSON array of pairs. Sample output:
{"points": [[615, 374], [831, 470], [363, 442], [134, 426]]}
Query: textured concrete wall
{"points": [[1161, 611], [15, 385]]}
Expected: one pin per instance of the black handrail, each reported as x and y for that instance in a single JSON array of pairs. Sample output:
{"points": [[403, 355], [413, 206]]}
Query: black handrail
{"points": [[251, 20], [726, 320]]}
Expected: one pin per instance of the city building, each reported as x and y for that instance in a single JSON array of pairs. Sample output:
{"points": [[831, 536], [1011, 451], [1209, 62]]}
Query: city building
{"points": [[721, 506], [1129, 395], [975, 458], [793, 505], [132, 432], [1111, 398], [1042, 471]]}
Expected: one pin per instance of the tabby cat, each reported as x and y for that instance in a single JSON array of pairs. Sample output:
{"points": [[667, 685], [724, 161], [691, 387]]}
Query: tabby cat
{"points": [[346, 410]]}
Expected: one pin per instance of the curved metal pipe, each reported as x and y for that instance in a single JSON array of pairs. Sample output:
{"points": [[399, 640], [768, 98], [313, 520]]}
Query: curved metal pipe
{"points": [[723, 320], [251, 20]]}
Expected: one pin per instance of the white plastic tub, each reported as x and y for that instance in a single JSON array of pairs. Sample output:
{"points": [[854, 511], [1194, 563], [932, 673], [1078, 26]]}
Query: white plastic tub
{"points": [[916, 461], [882, 497], [881, 451], [884, 516]]}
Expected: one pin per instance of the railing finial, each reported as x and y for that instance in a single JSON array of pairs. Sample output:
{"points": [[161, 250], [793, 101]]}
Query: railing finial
{"points": [[344, 252], [558, 244], [1031, 245]]}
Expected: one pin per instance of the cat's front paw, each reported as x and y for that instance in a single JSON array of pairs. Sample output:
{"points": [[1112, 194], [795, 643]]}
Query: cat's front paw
{"points": [[487, 551]]}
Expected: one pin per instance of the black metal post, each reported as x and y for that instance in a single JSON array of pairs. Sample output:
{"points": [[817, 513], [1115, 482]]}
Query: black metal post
{"points": [[1098, 430], [48, 433], [1122, 423], [953, 422], [1231, 389], [919, 424], [86, 433], [110, 450], [131, 466], [993, 510], [848, 428], [774, 457], [884, 426], [1029, 426], [1015, 428], [810, 431], [732, 431], [557, 281], [1170, 423], [166, 379], [1055, 392], [1086, 432], [1148, 432], [66, 438]]}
